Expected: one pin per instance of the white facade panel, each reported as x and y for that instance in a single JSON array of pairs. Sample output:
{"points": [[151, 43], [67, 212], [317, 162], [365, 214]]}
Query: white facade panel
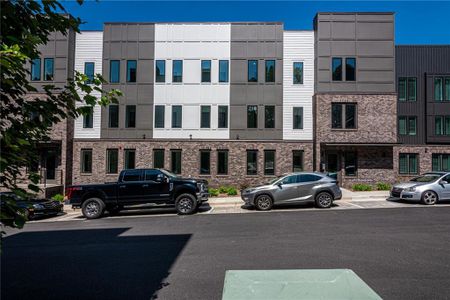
{"points": [[89, 48], [298, 46], [192, 43]]}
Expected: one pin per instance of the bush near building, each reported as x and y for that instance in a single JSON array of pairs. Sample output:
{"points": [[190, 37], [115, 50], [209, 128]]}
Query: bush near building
{"points": [[362, 187]]}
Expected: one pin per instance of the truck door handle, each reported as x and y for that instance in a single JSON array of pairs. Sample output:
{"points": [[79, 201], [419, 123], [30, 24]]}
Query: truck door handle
{"points": [[145, 185], [122, 186]]}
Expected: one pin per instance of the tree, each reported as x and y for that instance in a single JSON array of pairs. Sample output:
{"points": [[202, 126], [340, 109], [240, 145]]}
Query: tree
{"points": [[24, 26]]}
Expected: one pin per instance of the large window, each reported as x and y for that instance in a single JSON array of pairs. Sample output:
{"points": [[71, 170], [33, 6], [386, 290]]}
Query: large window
{"points": [[407, 88], [343, 116], [206, 71], [298, 73], [175, 161], [130, 116], [86, 160], [408, 163], [88, 119], [269, 162], [48, 69], [336, 69], [36, 69], [252, 116], [441, 162], [350, 69], [297, 117], [205, 162], [89, 69], [177, 113], [131, 70], [160, 71], [158, 158], [442, 125], [177, 71], [269, 114], [407, 125], [113, 116], [297, 160], [447, 88], [270, 71], [438, 89], [350, 163], [223, 116], [223, 70], [112, 161], [222, 162], [130, 158], [205, 116], [114, 71], [159, 116], [252, 162], [252, 71]]}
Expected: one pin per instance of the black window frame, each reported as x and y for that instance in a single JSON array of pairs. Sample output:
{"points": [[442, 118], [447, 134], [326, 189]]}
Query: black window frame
{"points": [[249, 117], [438, 158], [160, 75], [224, 152], [111, 63], [115, 117], [336, 76], [174, 153], [268, 75], [177, 78], [115, 169], [294, 77], [342, 121], [52, 74], [249, 171], [205, 71], [222, 117], [441, 78], [269, 157], [88, 118], [295, 116], [269, 121], [130, 116], [84, 163], [126, 158], [408, 121], [131, 75], [174, 120], [205, 116], [156, 153], [348, 70], [348, 156], [90, 77], [408, 157], [221, 70], [205, 157], [444, 130], [249, 65], [405, 89], [160, 112], [299, 154], [36, 66]]}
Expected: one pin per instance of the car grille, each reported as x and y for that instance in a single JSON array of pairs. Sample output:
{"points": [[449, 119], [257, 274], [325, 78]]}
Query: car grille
{"points": [[396, 192], [51, 205]]}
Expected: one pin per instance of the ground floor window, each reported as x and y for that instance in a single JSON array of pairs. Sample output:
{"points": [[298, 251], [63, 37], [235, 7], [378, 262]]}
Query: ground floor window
{"points": [[222, 162], [350, 163], [441, 162], [158, 158], [252, 162], [86, 160], [408, 163], [175, 157], [112, 161], [130, 158], [297, 160], [205, 162], [269, 162]]}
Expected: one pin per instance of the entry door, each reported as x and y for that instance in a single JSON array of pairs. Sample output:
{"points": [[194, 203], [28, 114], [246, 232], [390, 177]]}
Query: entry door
{"points": [[155, 188], [129, 189]]}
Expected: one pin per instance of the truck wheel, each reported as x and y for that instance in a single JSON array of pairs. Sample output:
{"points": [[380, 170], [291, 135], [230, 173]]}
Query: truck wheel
{"points": [[93, 208], [324, 200], [185, 204]]}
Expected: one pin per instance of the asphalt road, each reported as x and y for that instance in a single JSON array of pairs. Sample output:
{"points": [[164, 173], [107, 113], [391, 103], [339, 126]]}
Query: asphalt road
{"points": [[401, 253]]}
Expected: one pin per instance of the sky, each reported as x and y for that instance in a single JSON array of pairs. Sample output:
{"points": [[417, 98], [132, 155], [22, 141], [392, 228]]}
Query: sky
{"points": [[417, 22]]}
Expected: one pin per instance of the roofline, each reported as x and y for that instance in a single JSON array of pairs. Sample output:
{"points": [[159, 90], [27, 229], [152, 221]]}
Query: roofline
{"points": [[199, 22], [356, 13], [423, 45]]}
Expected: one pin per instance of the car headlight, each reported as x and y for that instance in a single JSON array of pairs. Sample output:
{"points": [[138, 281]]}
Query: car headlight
{"points": [[38, 206], [247, 191], [411, 189]]}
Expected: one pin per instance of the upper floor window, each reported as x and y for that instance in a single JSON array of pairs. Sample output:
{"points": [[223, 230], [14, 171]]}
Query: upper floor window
{"points": [[298, 73], [270, 71], [177, 111], [297, 118], [48, 69], [408, 163], [336, 69], [252, 116], [114, 71], [447, 88], [89, 71], [442, 125], [205, 118], [441, 88], [159, 116], [252, 71], [206, 71], [407, 125], [113, 116], [350, 69], [441, 162], [177, 71], [130, 116], [407, 88], [223, 116], [88, 119], [343, 115], [131, 70], [269, 114], [36, 69], [223, 70], [160, 71]]}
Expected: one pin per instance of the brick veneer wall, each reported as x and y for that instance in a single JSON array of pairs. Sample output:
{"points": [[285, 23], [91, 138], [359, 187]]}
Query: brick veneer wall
{"points": [[191, 158]]}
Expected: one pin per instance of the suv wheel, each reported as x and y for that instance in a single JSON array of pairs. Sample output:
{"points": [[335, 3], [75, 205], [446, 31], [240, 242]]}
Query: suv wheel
{"points": [[93, 208], [324, 200], [429, 198], [186, 204], [263, 202]]}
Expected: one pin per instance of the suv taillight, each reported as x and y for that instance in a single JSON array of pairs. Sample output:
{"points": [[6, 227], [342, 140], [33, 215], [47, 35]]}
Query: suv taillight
{"points": [[70, 190]]}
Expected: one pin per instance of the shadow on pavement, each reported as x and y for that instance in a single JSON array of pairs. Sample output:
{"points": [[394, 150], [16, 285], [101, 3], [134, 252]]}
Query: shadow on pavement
{"points": [[87, 264]]}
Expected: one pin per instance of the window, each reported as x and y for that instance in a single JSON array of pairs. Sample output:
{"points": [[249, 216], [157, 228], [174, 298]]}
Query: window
{"points": [[298, 73], [223, 70], [113, 116], [177, 111], [131, 70], [412, 89], [269, 162], [206, 71], [112, 161], [252, 71], [447, 88], [252, 116], [438, 91], [130, 158], [160, 71], [130, 116], [343, 115], [441, 162], [88, 119], [252, 162], [205, 118], [48, 69], [36, 69], [350, 69], [175, 157], [297, 118], [159, 116], [402, 89], [177, 71], [222, 162], [205, 162], [114, 71], [442, 125], [408, 163], [158, 158], [270, 71], [269, 113], [308, 178], [223, 116], [336, 69], [89, 69], [132, 175], [407, 89], [86, 160], [297, 160], [152, 175], [407, 125], [291, 179], [350, 163]]}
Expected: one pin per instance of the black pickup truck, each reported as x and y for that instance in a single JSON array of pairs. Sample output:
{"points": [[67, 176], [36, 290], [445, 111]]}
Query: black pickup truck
{"points": [[137, 187]]}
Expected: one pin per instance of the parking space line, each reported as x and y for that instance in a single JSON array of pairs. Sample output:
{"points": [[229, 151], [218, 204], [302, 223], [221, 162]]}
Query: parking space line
{"points": [[353, 204]]}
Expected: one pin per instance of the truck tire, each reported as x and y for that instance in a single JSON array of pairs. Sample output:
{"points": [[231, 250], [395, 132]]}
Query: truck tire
{"points": [[93, 208], [185, 204]]}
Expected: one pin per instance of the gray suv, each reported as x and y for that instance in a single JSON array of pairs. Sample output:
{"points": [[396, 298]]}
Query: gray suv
{"points": [[294, 188]]}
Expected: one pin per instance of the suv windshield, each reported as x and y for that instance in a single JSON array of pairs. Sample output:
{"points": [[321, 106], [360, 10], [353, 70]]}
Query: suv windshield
{"points": [[426, 178]]}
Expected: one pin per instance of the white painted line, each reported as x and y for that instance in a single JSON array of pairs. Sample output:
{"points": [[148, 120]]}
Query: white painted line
{"points": [[359, 206], [210, 211]]}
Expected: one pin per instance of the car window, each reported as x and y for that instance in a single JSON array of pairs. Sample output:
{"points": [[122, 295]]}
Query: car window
{"points": [[447, 178], [132, 175], [308, 178], [151, 175], [289, 179]]}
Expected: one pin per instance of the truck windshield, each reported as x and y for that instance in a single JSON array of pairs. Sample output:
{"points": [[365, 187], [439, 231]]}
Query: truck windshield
{"points": [[169, 174]]}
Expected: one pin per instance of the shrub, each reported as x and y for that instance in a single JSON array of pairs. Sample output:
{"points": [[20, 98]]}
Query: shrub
{"points": [[362, 187], [232, 191], [213, 192], [58, 197], [223, 190], [382, 186]]}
